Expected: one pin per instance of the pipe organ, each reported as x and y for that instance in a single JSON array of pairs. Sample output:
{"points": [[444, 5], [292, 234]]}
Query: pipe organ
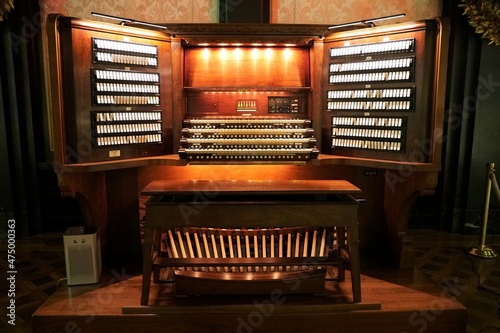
{"points": [[287, 102]]}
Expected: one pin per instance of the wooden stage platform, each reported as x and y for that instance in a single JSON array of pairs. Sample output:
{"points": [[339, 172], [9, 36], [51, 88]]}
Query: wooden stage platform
{"points": [[113, 305]]}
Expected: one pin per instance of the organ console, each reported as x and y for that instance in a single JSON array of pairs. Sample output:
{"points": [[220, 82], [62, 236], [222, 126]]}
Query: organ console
{"points": [[131, 106]]}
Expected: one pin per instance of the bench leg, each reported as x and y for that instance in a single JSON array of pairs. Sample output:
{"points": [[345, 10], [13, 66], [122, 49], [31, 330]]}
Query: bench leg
{"points": [[147, 264], [352, 234]]}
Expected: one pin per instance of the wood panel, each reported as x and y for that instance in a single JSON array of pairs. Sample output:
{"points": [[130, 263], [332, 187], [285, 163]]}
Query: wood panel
{"points": [[123, 215], [248, 186], [113, 305], [373, 231], [246, 67], [216, 103]]}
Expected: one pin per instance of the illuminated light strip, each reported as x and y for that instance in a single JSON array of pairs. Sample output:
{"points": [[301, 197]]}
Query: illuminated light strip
{"points": [[245, 121]]}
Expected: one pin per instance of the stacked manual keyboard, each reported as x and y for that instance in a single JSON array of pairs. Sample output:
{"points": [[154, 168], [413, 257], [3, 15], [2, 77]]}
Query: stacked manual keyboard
{"points": [[247, 139]]}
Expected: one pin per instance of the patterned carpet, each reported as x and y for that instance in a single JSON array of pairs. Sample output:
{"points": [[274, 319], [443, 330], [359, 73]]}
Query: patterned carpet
{"points": [[473, 281], [40, 265]]}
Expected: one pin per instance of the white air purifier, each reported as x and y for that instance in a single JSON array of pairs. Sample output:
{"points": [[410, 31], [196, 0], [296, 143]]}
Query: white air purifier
{"points": [[82, 252]]}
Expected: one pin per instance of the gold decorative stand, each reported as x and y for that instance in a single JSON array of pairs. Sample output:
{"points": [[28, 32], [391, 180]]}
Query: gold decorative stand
{"points": [[482, 250]]}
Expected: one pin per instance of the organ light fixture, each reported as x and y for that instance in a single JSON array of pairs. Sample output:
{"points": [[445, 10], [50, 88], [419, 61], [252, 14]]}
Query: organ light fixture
{"points": [[369, 22], [124, 21]]}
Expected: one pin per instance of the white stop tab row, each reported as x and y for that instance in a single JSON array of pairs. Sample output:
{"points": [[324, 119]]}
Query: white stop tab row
{"points": [[128, 128], [371, 65], [367, 133], [127, 116], [128, 139], [103, 74], [367, 121], [372, 105], [370, 77], [372, 48], [370, 93], [123, 46], [367, 144], [128, 100], [126, 59], [124, 87]]}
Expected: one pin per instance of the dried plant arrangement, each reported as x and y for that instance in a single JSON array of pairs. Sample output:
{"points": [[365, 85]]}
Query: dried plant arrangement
{"points": [[484, 17], [5, 7]]}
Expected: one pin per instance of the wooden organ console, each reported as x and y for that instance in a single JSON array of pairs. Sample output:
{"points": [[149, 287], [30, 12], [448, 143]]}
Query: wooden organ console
{"points": [[220, 102]]}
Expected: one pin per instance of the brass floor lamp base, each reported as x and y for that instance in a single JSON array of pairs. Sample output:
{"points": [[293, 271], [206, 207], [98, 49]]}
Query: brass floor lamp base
{"points": [[483, 251]]}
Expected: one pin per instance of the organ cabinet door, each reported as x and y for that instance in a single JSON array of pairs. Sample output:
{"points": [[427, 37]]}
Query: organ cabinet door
{"points": [[383, 107], [384, 92], [112, 87], [110, 106]]}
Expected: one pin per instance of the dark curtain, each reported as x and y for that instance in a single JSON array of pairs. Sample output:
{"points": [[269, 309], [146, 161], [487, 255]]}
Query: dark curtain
{"points": [[21, 114], [463, 72]]}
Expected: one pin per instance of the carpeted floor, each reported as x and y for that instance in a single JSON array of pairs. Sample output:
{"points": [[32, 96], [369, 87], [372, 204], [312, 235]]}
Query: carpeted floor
{"points": [[40, 265], [473, 281]]}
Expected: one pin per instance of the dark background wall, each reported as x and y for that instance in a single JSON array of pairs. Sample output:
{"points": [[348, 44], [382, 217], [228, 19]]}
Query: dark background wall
{"points": [[486, 137], [28, 187], [472, 127]]}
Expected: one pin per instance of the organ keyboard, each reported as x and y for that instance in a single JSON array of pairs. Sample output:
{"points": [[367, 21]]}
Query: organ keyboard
{"points": [[270, 256], [248, 139]]}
